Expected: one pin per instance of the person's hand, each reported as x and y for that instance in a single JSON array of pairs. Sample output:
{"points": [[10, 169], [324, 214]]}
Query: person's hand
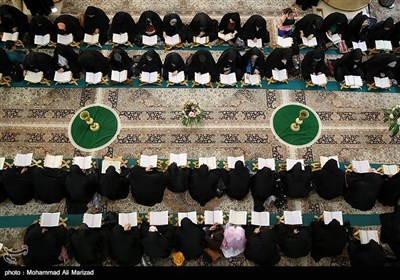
{"points": [[329, 33], [127, 227], [255, 40], [257, 230], [15, 29], [247, 76], [96, 31], [148, 168], [201, 34], [164, 34], [60, 70], [310, 36], [301, 33], [256, 72], [174, 73], [382, 75]]}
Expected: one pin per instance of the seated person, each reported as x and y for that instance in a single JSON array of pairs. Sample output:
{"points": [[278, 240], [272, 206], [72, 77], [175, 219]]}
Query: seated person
{"points": [[172, 25], [334, 23], [294, 240], [41, 25], [230, 61], [389, 194], [40, 7], [174, 64], [230, 24], [202, 62], [94, 61], [262, 186], [189, 239], [297, 182], [306, 4], [255, 28], [236, 180], [38, 61], [119, 60], [97, 22], [14, 56], [202, 26], [123, 22], [157, 241], [390, 230], [18, 184], [150, 61], [214, 235], [66, 59], [6, 66], [379, 65], [234, 240], [380, 31], [49, 184], [149, 24], [253, 62], [395, 35], [279, 59], [286, 22], [13, 20], [356, 29], [314, 63], [308, 26], [349, 64], [329, 181], [177, 177], [67, 24], [114, 185], [203, 184], [3, 193]]}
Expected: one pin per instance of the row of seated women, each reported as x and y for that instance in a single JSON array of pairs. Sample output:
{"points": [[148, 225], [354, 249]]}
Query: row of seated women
{"points": [[127, 245], [147, 185]]}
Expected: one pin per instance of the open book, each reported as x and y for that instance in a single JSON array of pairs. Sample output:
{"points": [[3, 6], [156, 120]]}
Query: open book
{"points": [[91, 39], [179, 159], [10, 36], [191, 215], [323, 160], [23, 159], [382, 82], [226, 37], [353, 81], [260, 218], [202, 78], [291, 162], [83, 162], [309, 42], [172, 40], [120, 38], [92, 220], [119, 77], [2, 161], [254, 79], [233, 160], [149, 40], [367, 235], [334, 38], [42, 40], [319, 80], [106, 163], [293, 217], [212, 217], [65, 39], [158, 218], [329, 216], [33, 77], [387, 169], [238, 217], [146, 161], [53, 161], [229, 79], [285, 42], [63, 77], [178, 78], [49, 219], [149, 77], [127, 218], [211, 162], [201, 40], [361, 166], [93, 78], [383, 45], [268, 162], [258, 43], [280, 75], [360, 45]]}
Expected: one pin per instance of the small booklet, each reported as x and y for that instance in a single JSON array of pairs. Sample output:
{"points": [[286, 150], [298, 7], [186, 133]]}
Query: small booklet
{"points": [[10, 36], [158, 218], [178, 78], [293, 217], [254, 79], [233, 160], [258, 43], [149, 77], [211, 162], [285, 42], [92, 220], [382, 82], [33, 77], [62, 61], [65, 39], [212, 217], [226, 37], [260, 218], [146, 161], [93, 78], [323, 160], [83, 162], [53, 161], [106, 163], [361, 166], [387, 169], [179, 159], [367, 235], [118, 76], [238, 217], [280, 75], [63, 77], [268, 162], [360, 45], [291, 162], [309, 42], [191, 215], [229, 79], [383, 45], [2, 161], [334, 38], [149, 40], [42, 40], [201, 40], [120, 38], [172, 40], [23, 159], [329, 216], [202, 78], [49, 219], [353, 81], [319, 80], [91, 39], [127, 218]]}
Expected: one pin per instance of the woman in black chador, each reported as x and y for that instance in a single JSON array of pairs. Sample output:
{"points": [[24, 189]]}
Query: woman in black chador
{"points": [[308, 26], [230, 24], [255, 28], [114, 185], [380, 65], [13, 20], [149, 24], [349, 64], [253, 62], [38, 61], [356, 30], [262, 186], [119, 60], [314, 63], [236, 180], [202, 26], [94, 61], [177, 178], [66, 59], [297, 182], [123, 22], [97, 22], [157, 241], [18, 184], [172, 25], [150, 61], [329, 181], [261, 246], [380, 31], [203, 184], [279, 59], [173, 63], [202, 62], [41, 25], [190, 239], [230, 61], [49, 184], [66, 24]]}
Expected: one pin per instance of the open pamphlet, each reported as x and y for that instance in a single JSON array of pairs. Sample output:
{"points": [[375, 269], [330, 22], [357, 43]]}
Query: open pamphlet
{"points": [[285, 42], [83, 162], [91, 39], [211, 162], [367, 235], [92, 220], [53, 161], [233, 160], [360, 45], [127, 218], [329, 216], [361, 166], [146, 161], [191, 215], [212, 217], [149, 77], [266, 162], [319, 80], [120, 38], [254, 79], [309, 42], [42, 40], [226, 37], [149, 40], [387, 169], [93, 78], [172, 40], [176, 79], [260, 218], [292, 217], [258, 43], [382, 82], [158, 218], [238, 217], [202, 78], [323, 160], [33, 77], [2, 161], [107, 163], [119, 76], [280, 75], [383, 45], [49, 219], [334, 38], [65, 39], [179, 159], [291, 162], [63, 77], [229, 79], [10, 36], [23, 159], [353, 81], [201, 40]]}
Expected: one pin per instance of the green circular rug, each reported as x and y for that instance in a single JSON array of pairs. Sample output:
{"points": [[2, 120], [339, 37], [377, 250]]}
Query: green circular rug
{"points": [[285, 115], [86, 140]]}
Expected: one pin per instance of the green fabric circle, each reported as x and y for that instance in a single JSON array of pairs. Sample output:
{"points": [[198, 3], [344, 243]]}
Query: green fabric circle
{"points": [[287, 115], [87, 139]]}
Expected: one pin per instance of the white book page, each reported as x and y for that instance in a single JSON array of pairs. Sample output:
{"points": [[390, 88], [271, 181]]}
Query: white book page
{"points": [[118, 76], [361, 166], [42, 40], [360, 45], [252, 79], [53, 161], [179, 159], [279, 75], [387, 169], [176, 79], [211, 162], [91, 39], [93, 78], [382, 82], [149, 77], [329, 216], [260, 218], [383, 45], [268, 162], [23, 159], [65, 39], [172, 40], [201, 40], [146, 161], [238, 217], [293, 217], [49, 219], [107, 163], [10, 36], [226, 37], [92, 220], [367, 235], [2, 161], [310, 43], [324, 159], [257, 44], [335, 38], [62, 77], [149, 40], [202, 78], [83, 162], [228, 79], [285, 42], [212, 217], [127, 218], [158, 218], [291, 162], [233, 160], [120, 38], [190, 215], [33, 77], [319, 80]]}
